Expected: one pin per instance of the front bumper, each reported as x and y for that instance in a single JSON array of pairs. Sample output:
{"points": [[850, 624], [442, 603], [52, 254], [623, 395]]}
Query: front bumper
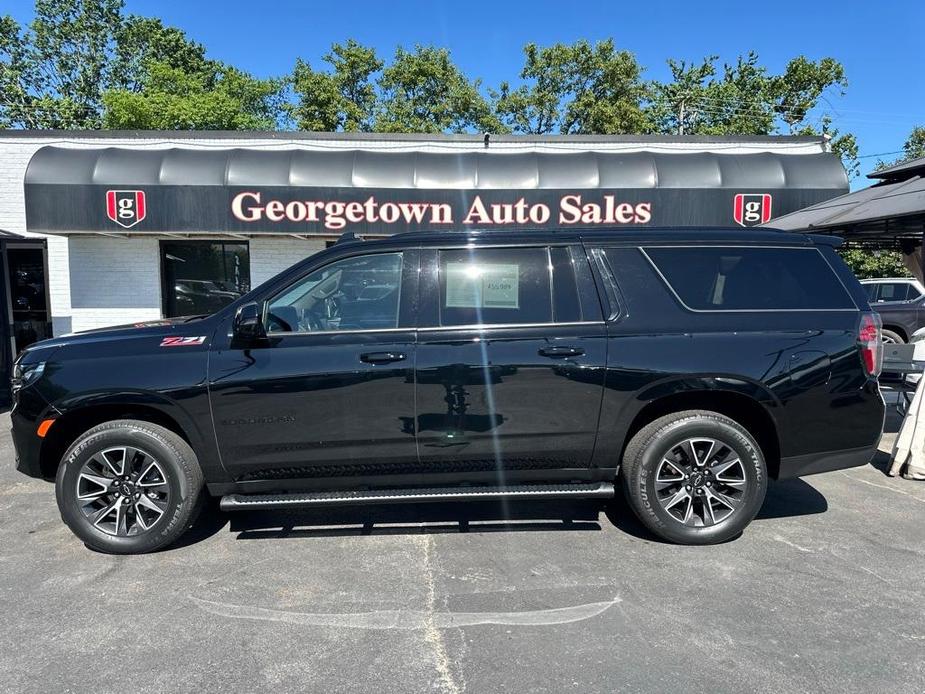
{"points": [[29, 409]]}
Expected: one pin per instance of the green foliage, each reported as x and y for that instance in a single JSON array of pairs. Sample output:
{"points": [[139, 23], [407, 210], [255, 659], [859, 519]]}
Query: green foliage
{"points": [[747, 100], [866, 263], [55, 70], [81, 64], [343, 99], [142, 40], [216, 98], [696, 102], [577, 88], [423, 91], [803, 83]]}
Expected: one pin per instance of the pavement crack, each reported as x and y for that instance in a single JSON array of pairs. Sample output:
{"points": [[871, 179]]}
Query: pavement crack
{"points": [[778, 538], [433, 636]]}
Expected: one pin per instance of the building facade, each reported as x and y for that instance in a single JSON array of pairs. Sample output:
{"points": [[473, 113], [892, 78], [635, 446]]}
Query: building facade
{"points": [[105, 228]]}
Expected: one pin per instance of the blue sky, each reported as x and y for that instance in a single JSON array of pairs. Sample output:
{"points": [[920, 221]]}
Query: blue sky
{"points": [[882, 44]]}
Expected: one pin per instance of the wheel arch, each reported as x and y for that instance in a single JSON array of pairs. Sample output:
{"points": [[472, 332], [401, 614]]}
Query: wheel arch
{"points": [[896, 328], [740, 405], [80, 415]]}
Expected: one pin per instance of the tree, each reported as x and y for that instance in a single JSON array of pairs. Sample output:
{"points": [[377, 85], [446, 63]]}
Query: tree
{"points": [[217, 98], [577, 88], [865, 263], [54, 72], [142, 40], [343, 99], [424, 91], [747, 100], [16, 106], [803, 83], [695, 102]]}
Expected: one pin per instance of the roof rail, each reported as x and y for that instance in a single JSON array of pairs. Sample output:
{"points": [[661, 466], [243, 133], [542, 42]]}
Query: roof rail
{"points": [[348, 237]]}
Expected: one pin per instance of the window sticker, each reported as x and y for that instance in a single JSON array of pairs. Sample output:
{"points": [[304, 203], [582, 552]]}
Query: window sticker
{"points": [[483, 285]]}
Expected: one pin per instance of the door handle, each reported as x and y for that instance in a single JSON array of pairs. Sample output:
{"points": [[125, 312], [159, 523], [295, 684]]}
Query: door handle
{"points": [[559, 352], [382, 357]]}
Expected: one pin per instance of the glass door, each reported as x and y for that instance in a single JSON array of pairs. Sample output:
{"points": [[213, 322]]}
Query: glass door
{"points": [[28, 295]]}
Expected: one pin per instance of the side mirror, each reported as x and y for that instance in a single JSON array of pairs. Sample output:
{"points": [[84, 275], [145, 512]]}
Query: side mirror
{"points": [[248, 323]]}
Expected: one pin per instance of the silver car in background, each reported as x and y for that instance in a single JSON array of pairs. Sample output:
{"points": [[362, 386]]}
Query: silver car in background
{"points": [[900, 301]]}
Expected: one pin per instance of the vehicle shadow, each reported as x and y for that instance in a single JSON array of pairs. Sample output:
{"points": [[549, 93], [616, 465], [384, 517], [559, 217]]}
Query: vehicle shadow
{"points": [[784, 499], [788, 498]]}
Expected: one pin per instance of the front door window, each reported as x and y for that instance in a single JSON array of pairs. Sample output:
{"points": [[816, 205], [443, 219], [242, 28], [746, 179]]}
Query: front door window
{"points": [[358, 293]]}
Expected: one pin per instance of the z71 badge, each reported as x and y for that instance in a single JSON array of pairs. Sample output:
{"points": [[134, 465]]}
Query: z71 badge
{"points": [[182, 341]]}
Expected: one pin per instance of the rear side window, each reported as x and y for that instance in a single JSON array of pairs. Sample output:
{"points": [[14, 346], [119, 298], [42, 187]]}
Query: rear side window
{"points": [[495, 285], [895, 291], [712, 278]]}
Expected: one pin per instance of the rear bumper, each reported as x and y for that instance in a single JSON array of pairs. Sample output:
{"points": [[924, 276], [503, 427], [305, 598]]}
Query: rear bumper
{"points": [[800, 465]]}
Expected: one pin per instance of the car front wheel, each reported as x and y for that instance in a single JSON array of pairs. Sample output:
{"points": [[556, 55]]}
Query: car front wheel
{"points": [[694, 477], [128, 487]]}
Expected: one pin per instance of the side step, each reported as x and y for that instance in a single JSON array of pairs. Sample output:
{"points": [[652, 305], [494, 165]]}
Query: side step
{"points": [[578, 490]]}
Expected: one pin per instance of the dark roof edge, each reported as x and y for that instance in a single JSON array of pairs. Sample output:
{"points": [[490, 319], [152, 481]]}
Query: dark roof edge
{"points": [[897, 169], [394, 137]]}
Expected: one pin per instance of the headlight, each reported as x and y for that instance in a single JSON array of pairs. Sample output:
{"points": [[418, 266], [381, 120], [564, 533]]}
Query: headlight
{"points": [[25, 375]]}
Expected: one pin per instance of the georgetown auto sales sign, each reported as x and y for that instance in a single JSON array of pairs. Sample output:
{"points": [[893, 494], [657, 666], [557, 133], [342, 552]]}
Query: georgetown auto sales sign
{"points": [[328, 211], [335, 215]]}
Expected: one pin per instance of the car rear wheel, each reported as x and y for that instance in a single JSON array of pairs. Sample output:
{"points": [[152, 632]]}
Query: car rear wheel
{"points": [[128, 487], [695, 477], [890, 337]]}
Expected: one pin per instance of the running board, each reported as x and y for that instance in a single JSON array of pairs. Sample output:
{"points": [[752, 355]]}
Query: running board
{"points": [[578, 490]]}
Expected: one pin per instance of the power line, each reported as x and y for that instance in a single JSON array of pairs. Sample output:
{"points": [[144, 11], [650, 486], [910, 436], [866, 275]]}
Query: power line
{"points": [[881, 154]]}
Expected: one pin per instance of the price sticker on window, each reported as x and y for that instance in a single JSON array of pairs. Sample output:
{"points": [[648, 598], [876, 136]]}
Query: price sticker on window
{"points": [[483, 285]]}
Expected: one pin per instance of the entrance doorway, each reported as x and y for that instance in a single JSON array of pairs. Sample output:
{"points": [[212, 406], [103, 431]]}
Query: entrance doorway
{"points": [[28, 292]]}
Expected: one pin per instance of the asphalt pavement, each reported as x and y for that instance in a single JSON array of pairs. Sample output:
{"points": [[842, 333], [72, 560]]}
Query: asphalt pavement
{"points": [[825, 592]]}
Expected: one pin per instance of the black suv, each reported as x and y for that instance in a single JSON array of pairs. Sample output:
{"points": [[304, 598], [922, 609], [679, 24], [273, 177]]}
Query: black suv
{"points": [[686, 365]]}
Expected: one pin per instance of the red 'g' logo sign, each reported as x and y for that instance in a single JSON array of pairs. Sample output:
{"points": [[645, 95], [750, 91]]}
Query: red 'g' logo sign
{"points": [[125, 207], [750, 209]]}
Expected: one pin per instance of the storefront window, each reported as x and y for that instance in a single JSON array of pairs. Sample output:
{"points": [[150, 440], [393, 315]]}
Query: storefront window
{"points": [[200, 277]]}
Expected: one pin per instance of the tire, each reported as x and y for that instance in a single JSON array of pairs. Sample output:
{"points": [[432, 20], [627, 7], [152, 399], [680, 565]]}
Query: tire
{"points": [[888, 336], [651, 482], [154, 506]]}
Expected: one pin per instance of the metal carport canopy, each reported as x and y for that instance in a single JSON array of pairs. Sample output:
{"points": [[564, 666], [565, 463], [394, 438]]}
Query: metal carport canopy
{"points": [[298, 190], [888, 211]]}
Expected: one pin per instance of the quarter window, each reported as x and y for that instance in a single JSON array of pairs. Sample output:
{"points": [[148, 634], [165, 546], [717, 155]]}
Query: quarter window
{"points": [[358, 293], [495, 286], [895, 291], [750, 279]]}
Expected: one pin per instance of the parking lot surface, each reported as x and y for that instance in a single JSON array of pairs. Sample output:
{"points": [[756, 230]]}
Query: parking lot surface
{"points": [[825, 591]]}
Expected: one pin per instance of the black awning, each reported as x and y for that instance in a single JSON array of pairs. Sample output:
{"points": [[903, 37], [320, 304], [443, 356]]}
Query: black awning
{"points": [[311, 191]]}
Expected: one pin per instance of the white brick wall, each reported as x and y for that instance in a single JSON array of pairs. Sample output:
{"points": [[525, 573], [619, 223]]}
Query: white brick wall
{"points": [[270, 256], [113, 281]]}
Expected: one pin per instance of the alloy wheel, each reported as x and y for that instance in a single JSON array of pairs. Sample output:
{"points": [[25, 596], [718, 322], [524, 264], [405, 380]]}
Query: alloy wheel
{"points": [[122, 491], [701, 482]]}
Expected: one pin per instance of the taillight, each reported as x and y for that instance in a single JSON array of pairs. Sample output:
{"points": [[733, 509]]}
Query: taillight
{"points": [[870, 343]]}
